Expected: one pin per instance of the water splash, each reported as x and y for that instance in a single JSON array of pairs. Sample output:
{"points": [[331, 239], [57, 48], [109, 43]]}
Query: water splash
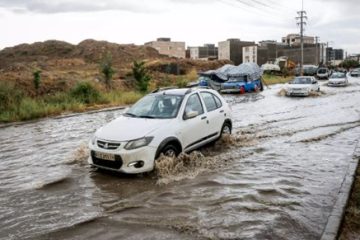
{"points": [[79, 156]]}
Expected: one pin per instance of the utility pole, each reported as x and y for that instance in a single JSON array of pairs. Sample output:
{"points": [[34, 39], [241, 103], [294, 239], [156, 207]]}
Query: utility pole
{"points": [[316, 50], [301, 22]]}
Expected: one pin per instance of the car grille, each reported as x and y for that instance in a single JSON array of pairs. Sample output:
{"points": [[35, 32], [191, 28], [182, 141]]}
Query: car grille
{"points": [[106, 163], [107, 145]]}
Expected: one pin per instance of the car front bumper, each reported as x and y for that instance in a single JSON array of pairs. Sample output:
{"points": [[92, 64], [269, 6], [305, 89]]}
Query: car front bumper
{"points": [[303, 93], [127, 161], [337, 84]]}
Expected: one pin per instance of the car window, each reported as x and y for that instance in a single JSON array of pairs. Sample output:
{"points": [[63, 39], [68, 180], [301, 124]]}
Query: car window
{"points": [[217, 101], [209, 101], [156, 106], [194, 104]]}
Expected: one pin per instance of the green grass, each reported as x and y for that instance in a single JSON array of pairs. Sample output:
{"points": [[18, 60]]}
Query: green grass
{"points": [[15, 106], [273, 79], [351, 225]]}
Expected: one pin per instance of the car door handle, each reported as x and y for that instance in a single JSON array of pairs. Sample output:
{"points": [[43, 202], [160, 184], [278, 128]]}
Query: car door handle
{"points": [[221, 111], [204, 117]]}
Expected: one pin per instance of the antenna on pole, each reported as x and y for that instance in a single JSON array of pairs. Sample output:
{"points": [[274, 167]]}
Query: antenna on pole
{"points": [[301, 22]]}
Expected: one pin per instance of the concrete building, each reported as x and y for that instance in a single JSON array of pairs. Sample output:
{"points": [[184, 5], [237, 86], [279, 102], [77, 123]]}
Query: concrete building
{"points": [[208, 51], [313, 53], [334, 54], [232, 49], [166, 47], [265, 51], [295, 40]]}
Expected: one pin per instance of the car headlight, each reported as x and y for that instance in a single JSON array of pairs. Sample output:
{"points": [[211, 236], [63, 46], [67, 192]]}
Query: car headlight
{"points": [[138, 143]]}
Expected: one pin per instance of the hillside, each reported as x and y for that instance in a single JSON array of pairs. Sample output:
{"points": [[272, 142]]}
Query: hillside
{"points": [[62, 64]]}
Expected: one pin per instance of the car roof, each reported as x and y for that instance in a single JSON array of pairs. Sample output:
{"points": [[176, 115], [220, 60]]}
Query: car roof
{"points": [[180, 91]]}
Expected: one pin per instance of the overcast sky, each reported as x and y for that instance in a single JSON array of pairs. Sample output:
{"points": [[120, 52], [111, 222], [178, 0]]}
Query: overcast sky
{"points": [[194, 21]]}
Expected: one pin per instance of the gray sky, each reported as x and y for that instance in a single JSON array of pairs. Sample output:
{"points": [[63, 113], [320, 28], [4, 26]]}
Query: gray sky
{"points": [[194, 21]]}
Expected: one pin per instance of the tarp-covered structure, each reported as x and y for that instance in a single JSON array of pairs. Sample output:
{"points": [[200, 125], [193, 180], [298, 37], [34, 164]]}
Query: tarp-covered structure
{"points": [[249, 70], [220, 74]]}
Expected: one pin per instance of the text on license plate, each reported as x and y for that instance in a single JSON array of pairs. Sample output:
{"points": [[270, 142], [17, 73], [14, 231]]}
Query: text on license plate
{"points": [[105, 156]]}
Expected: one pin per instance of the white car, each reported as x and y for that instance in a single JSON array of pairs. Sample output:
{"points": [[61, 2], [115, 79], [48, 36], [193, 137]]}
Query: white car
{"points": [[302, 86], [338, 79], [166, 121]]}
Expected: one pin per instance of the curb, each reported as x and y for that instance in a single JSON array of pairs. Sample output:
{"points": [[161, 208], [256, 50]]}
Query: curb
{"points": [[69, 115], [334, 221]]}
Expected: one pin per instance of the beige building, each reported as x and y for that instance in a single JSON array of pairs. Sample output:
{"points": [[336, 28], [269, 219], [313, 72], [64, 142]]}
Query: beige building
{"points": [[295, 40], [250, 54], [166, 47], [232, 49]]}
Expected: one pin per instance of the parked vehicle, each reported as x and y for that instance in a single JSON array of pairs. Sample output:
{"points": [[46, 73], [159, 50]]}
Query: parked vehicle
{"points": [[241, 85], [302, 86], [338, 79], [323, 73], [308, 70], [244, 78], [355, 72], [166, 121]]}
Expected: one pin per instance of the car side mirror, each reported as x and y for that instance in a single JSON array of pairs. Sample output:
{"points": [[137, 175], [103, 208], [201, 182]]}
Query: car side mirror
{"points": [[190, 114], [314, 82]]}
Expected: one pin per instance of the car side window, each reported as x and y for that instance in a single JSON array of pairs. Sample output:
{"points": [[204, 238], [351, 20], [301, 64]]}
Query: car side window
{"points": [[194, 104], [217, 101], [209, 101]]}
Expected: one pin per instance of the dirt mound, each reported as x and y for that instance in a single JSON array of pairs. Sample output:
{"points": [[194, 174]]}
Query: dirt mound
{"points": [[63, 64], [183, 66]]}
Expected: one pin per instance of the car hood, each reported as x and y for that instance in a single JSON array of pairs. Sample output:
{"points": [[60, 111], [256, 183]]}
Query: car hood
{"points": [[336, 80], [128, 128], [298, 86]]}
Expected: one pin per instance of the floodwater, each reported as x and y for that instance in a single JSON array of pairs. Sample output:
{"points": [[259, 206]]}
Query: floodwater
{"points": [[277, 177]]}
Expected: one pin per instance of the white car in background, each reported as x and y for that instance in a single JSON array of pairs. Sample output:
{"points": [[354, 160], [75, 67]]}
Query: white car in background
{"points": [[338, 79], [166, 121], [302, 86]]}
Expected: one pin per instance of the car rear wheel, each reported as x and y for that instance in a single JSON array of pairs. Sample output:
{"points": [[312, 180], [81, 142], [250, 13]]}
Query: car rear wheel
{"points": [[170, 150]]}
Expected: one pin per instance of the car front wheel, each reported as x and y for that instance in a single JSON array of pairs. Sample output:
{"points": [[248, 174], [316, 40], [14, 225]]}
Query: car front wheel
{"points": [[226, 128], [170, 150]]}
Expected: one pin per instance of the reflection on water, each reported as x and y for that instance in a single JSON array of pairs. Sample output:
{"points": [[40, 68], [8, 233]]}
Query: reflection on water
{"points": [[277, 177]]}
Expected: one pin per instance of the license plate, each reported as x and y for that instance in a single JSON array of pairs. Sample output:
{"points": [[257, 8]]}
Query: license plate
{"points": [[105, 156]]}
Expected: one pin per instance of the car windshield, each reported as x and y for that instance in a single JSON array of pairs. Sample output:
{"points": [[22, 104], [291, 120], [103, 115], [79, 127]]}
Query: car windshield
{"points": [[301, 81], [156, 106], [338, 75], [322, 70]]}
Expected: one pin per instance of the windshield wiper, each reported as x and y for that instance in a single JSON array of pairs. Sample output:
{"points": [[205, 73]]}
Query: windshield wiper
{"points": [[131, 115], [146, 116]]}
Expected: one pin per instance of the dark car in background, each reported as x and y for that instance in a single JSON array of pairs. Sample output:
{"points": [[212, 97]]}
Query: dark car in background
{"points": [[323, 73], [309, 70], [355, 72]]}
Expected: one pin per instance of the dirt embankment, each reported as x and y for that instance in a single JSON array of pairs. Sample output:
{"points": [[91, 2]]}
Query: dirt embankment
{"points": [[62, 64]]}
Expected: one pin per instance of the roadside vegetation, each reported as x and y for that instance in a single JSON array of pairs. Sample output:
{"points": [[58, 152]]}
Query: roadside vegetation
{"points": [[351, 225], [270, 79], [17, 106]]}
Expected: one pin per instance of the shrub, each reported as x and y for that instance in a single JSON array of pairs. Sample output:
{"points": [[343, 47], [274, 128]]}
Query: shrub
{"points": [[141, 76], [37, 80], [107, 70], [85, 92], [10, 96]]}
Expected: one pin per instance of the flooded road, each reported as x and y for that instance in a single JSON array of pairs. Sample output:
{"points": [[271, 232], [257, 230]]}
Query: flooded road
{"points": [[276, 178]]}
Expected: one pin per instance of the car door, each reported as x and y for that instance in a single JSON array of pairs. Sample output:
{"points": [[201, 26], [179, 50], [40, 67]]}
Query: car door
{"points": [[314, 84], [215, 112], [194, 128]]}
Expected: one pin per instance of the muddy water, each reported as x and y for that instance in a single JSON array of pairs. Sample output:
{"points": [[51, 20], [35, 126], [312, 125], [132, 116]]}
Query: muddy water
{"points": [[276, 178]]}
